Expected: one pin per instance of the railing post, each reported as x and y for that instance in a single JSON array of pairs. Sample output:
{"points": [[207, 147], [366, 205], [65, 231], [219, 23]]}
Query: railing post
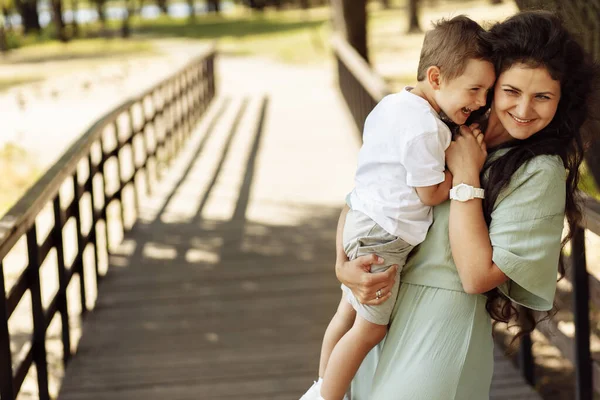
{"points": [[78, 267], [93, 235], [6, 375], [581, 312], [62, 279], [134, 167], [526, 362], [119, 174], [39, 319]]}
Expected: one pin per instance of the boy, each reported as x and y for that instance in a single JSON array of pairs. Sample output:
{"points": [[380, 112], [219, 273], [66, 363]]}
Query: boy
{"points": [[400, 176]]}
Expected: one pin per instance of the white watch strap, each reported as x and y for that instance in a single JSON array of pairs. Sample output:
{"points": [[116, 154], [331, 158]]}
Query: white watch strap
{"points": [[478, 193]]}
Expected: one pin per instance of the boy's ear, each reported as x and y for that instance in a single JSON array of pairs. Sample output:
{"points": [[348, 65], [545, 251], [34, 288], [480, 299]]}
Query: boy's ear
{"points": [[434, 77]]}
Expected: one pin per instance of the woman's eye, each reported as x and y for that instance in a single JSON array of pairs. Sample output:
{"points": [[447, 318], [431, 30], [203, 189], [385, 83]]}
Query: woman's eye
{"points": [[510, 92], [542, 97]]}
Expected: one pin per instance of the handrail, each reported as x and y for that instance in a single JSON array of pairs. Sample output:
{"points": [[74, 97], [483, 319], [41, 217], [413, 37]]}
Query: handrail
{"points": [[360, 69], [177, 103], [362, 89], [20, 216]]}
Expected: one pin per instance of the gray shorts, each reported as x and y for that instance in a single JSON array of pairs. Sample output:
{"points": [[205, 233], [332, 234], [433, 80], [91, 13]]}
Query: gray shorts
{"points": [[364, 236]]}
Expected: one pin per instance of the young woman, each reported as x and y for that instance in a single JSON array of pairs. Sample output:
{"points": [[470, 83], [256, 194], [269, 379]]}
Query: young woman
{"points": [[482, 256]]}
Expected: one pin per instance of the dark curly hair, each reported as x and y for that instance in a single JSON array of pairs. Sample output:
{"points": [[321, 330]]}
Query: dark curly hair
{"points": [[540, 39]]}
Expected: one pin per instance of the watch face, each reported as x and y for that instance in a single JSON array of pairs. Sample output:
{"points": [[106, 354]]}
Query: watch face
{"points": [[463, 193]]}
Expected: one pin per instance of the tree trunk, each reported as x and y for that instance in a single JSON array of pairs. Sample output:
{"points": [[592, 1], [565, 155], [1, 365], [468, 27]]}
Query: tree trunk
{"points": [[29, 15], [59, 22], [413, 15], [257, 4], [304, 4], [125, 27], [191, 10], [5, 19], [101, 15], [74, 23], [350, 21], [3, 43], [162, 4], [214, 6]]}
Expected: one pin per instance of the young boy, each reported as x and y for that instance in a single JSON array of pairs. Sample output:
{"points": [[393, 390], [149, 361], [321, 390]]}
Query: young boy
{"points": [[400, 176]]}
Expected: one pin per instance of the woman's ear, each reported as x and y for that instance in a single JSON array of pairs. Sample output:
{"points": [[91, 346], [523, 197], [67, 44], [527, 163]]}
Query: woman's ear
{"points": [[434, 77]]}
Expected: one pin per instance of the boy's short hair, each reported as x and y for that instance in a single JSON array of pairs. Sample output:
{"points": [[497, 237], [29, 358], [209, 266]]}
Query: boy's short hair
{"points": [[450, 45]]}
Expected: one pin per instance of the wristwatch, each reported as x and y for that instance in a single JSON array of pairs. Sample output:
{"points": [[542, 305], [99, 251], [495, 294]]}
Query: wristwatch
{"points": [[464, 192]]}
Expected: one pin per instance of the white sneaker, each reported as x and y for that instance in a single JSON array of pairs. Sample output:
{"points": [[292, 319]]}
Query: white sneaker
{"points": [[313, 393]]}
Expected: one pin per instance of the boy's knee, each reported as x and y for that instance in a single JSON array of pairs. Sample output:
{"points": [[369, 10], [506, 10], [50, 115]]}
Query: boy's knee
{"points": [[369, 333]]}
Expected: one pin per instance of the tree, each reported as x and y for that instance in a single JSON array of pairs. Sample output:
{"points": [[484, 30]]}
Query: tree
{"points": [[3, 43], [350, 21], [192, 10], [164, 7], [74, 24], [29, 15], [214, 6], [128, 11], [57, 18], [413, 16], [101, 14]]}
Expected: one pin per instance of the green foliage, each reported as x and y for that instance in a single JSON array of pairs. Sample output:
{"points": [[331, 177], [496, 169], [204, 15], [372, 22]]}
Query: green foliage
{"points": [[587, 183], [213, 27], [51, 50]]}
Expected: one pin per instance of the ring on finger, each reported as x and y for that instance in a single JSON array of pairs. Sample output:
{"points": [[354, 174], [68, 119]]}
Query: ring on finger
{"points": [[378, 294]]}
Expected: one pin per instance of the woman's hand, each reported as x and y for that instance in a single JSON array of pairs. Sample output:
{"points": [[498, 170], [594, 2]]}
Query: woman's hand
{"points": [[357, 276], [466, 155]]}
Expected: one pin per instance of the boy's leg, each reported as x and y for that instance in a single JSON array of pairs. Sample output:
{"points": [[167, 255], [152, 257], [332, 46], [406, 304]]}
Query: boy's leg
{"points": [[347, 356], [341, 323]]}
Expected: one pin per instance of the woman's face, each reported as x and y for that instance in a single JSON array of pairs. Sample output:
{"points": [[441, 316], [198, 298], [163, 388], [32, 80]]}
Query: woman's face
{"points": [[525, 100]]}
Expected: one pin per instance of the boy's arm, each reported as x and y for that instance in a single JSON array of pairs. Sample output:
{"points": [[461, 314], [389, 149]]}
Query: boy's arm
{"points": [[436, 194]]}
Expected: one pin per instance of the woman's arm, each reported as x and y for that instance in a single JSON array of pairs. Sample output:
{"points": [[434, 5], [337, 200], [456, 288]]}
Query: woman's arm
{"points": [[469, 235], [356, 274]]}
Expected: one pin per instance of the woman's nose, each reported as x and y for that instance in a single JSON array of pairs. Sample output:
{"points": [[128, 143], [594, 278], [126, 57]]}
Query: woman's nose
{"points": [[522, 108]]}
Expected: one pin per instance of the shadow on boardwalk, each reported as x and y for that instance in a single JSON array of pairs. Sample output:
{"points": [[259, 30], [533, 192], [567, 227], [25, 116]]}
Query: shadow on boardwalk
{"points": [[211, 308]]}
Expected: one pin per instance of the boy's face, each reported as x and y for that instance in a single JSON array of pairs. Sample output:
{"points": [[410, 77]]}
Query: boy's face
{"points": [[458, 97]]}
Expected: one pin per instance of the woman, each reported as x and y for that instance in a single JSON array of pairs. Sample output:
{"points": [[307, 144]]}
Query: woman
{"points": [[478, 255]]}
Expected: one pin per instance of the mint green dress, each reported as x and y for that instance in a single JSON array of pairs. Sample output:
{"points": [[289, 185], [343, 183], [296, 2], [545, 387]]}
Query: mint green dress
{"points": [[439, 345]]}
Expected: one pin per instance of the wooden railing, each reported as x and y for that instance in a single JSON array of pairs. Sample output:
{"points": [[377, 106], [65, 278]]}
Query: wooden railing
{"points": [[141, 135], [362, 89]]}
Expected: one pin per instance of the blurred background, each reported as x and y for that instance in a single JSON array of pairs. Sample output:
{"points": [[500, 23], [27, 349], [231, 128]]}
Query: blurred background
{"points": [[65, 63]]}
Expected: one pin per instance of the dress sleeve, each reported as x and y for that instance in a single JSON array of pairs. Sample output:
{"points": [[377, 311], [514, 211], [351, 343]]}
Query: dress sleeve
{"points": [[526, 230]]}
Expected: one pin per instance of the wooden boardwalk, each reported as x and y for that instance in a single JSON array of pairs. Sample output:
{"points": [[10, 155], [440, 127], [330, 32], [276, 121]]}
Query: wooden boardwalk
{"points": [[223, 288]]}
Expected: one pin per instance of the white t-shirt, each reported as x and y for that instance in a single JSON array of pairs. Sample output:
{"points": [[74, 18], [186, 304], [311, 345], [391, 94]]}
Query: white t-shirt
{"points": [[404, 144]]}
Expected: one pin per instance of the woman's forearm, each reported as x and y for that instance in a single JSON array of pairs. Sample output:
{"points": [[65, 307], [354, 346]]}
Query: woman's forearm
{"points": [[470, 243]]}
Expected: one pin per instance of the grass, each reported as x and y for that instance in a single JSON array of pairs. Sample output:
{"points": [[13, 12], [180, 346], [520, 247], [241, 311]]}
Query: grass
{"points": [[19, 172], [42, 51], [6, 83], [289, 36]]}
